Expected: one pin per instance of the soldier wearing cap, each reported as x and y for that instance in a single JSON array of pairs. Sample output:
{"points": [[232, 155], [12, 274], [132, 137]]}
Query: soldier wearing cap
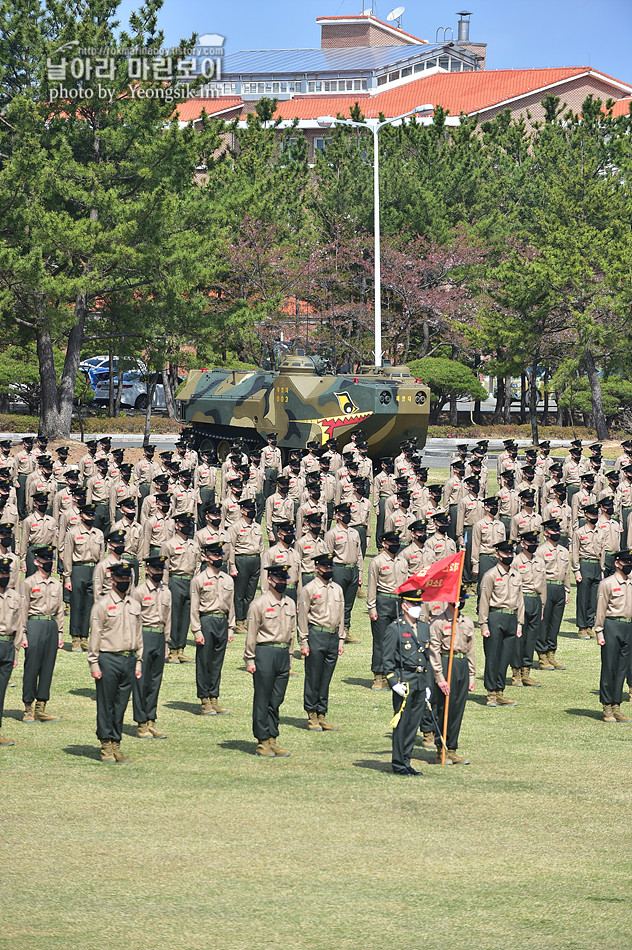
{"points": [[184, 496], [204, 483], [310, 545], [402, 464], [543, 460], [25, 462], [63, 496], [587, 562], [245, 550], [115, 657], [343, 543], [510, 463], [598, 469], [360, 508], [283, 553], [133, 534], [8, 507], [160, 486], [501, 616], [529, 482], [532, 572], [101, 579], [402, 483], [439, 545], [7, 461], [11, 634], [432, 508], [41, 480], [463, 678], [555, 478], [154, 599], [6, 543], [313, 503], [419, 494], [527, 519], [503, 457], [321, 640], [453, 491], [159, 527], [350, 449], [623, 496], [38, 529], [279, 507], [383, 487], [331, 453], [43, 626], [585, 496], [83, 549], [611, 532], [145, 471], [461, 454], [508, 501], [212, 626], [213, 532], [626, 456], [557, 509], [470, 510], [386, 572], [99, 488], [407, 670], [271, 624], [344, 481], [121, 488], [181, 563], [573, 467], [415, 554], [558, 589], [271, 465], [613, 629], [401, 517], [309, 462]]}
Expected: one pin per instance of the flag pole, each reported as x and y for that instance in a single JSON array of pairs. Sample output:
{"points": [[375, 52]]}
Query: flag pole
{"points": [[450, 658]]}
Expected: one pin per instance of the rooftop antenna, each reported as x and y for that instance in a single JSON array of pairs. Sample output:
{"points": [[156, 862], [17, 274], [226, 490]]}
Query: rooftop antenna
{"points": [[396, 14], [369, 10]]}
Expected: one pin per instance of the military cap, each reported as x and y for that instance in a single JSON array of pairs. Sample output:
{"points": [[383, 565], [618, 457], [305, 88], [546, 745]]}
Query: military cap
{"points": [[513, 448], [482, 444], [77, 491], [362, 446], [87, 509], [184, 517], [530, 451], [324, 560], [404, 444], [332, 441], [253, 454], [325, 460], [5, 443], [476, 463], [243, 503], [91, 444], [156, 560], [126, 467], [283, 481], [314, 517], [435, 489], [5, 565], [351, 463], [29, 439], [44, 551], [401, 480], [40, 496], [612, 475], [553, 524], [127, 503], [312, 444], [463, 447], [357, 481], [102, 462], [285, 526], [458, 464], [472, 480], [627, 444], [185, 473], [505, 547], [556, 467], [421, 469], [625, 555], [491, 500], [6, 530], [591, 510], [508, 442], [121, 569], [105, 440], [529, 536], [212, 508], [42, 439], [402, 493], [213, 547], [607, 502], [150, 449], [271, 437], [173, 466], [528, 471], [442, 517], [391, 537], [560, 490], [463, 594], [237, 482], [62, 450], [166, 454], [627, 469], [45, 461], [117, 535], [118, 451], [419, 525], [508, 475], [71, 473], [527, 494], [344, 508], [412, 596], [545, 445], [575, 447], [279, 570], [162, 498], [595, 447]]}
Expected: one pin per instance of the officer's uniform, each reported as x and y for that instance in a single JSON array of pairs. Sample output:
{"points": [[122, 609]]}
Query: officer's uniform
{"points": [[83, 549], [386, 573], [24, 465], [406, 660], [501, 609], [204, 483], [613, 622], [463, 671], [321, 628], [271, 625], [245, 550], [155, 610], [43, 606], [11, 631], [212, 616]]}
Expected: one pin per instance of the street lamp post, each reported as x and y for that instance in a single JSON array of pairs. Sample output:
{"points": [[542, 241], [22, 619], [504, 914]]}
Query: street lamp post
{"points": [[374, 127]]}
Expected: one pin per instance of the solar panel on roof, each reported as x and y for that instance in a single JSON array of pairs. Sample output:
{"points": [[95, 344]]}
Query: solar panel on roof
{"points": [[319, 61]]}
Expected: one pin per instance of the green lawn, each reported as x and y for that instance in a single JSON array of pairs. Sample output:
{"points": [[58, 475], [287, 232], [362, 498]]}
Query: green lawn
{"points": [[200, 845]]}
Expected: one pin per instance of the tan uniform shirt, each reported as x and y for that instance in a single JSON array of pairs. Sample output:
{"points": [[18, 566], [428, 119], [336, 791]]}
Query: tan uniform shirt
{"points": [[101, 579], [532, 574], [572, 471], [401, 520], [416, 557], [438, 546], [183, 500], [578, 501], [308, 547], [37, 529], [361, 514], [610, 529], [205, 476], [145, 471], [244, 538], [156, 532], [322, 605], [99, 490], [9, 514], [16, 567], [119, 491], [308, 508], [622, 497], [133, 537], [383, 487], [61, 502], [69, 518], [36, 482], [485, 534], [441, 637], [469, 511], [24, 462], [556, 563], [87, 467], [386, 573], [12, 616], [278, 509], [561, 512], [343, 544], [614, 599], [82, 544], [453, 491], [269, 621], [181, 554], [508, 502], [155, 604], [501, 588], [587, 543], [209, 535], [212, 593], [43, 597], [271, 458], [115, 627], [286, 557], [524, 521]]}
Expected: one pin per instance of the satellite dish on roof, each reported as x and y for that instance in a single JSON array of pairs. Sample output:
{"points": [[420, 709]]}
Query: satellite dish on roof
{"points": [[396, 14], [367, 12]]}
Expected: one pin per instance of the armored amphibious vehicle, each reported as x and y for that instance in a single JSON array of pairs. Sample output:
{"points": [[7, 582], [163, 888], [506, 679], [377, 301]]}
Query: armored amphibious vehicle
{"points": [[297, 403]]}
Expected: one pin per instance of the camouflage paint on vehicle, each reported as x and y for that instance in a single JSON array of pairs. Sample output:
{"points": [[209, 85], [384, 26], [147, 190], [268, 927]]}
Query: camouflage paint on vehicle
{"points": [[299, 405]]}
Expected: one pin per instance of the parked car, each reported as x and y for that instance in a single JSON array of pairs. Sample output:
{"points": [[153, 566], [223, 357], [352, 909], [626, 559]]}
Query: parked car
{"points": [[134, 394], [98, 367]]}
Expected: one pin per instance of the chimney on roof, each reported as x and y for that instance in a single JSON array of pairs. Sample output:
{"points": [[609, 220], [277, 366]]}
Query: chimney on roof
{"points": [[464, 26]]}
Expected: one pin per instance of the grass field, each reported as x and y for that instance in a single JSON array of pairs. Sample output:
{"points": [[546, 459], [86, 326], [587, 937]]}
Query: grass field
{"points": [[200, 845]]}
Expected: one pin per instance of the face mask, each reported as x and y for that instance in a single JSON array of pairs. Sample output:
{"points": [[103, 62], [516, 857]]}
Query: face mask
{"points": [[414, 612], [316, 496], [532, 548], [346, 519], [215, 521], [289, 537], [420, 538], [283, 490], [441, 528], [506, 559], [186, 529], [608, 511], [88, 520], [46, 566], [493, 510], [626, 569], [248, 512], [122, 585], [216, 562], [462, 604], [327, 574], [280, 586], [155, 576], [404, 503], [3, 582], [591, 519], [41, 508], [117, 548], [554, 535], [392, 548]]}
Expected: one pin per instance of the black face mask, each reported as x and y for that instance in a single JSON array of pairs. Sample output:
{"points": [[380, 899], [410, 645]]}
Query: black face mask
{"points": [[608, 511], [283, 490], [215, 562], [280, 586], [247, 512], [46, 566], [436, 498], [532, 548], [346, 519], [625, 569], [155, 576], [117, 548], [553, 535], [326, 574], [186, 529], [289, 537], [493, 510], [506, 559], [3, 582], [404, 503], [591, 520], [315, 496], [392, 547], [441, 528], [215, 521], [420, 538], [41, 508], [88, 520], [122, 585], [462, 604]]}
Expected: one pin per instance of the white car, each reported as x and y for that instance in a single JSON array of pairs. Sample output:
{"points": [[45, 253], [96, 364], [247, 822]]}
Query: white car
{"points": [[134, 394], [96, 367]]}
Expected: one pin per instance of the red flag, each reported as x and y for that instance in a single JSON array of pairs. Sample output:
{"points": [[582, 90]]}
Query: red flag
{"points": [[440, 581]]}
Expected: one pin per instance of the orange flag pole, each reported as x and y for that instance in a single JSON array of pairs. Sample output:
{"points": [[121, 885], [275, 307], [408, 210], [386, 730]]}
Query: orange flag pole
{"points": [[449, 676]]}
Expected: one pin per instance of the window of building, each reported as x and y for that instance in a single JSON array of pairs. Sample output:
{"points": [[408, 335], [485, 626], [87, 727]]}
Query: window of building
{"points": [[444, 62], [431, 63], [419, 67], [320, 144], [381, 80], [288, 143], [407, 71], [467, 69], [455, 65], [393, 76]]}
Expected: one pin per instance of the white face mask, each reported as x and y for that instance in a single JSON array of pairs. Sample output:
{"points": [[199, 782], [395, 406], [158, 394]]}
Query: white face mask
{"points": [[414, 612]]}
